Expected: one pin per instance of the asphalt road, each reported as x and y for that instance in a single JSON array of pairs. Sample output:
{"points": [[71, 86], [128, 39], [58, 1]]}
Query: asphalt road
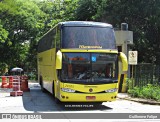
{"points": [[36, 101]]}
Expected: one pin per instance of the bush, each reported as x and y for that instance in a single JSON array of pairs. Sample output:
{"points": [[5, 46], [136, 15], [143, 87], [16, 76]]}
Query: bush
{"points": [[32, 76], [3, 67], [149, 92], [130, 83], [134, 92]]}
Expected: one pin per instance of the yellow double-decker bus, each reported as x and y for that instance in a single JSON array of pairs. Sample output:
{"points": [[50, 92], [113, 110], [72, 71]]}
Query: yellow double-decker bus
{"points": [[78, 62]]}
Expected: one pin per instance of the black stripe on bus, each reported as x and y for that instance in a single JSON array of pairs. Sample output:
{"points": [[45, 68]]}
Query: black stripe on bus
{"points": [[121, 82]]}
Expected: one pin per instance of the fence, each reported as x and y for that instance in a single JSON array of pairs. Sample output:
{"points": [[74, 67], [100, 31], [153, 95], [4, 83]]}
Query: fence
{"points": [[146, 74]]}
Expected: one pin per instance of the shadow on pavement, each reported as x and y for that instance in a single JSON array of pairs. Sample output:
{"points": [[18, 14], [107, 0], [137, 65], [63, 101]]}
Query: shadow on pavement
{"points": [[37, 101]]}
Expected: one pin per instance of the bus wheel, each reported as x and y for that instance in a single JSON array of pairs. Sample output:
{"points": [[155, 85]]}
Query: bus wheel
{"points": [[41, 83], [42, 88], [53, 90], [57, 100]]}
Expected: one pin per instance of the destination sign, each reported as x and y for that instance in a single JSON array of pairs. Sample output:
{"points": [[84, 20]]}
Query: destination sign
{"points": [[83, 46]]}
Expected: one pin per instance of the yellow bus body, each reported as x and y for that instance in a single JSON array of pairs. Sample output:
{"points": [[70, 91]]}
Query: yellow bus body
{"points": [[49, 65]]}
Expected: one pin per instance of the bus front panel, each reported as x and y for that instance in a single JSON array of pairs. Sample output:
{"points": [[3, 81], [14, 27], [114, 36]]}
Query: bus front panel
{"points": [[89, 77]]}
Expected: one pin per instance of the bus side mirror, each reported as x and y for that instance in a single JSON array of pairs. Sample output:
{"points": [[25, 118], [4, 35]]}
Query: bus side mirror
{"points": [[124, 61], [59, 60]]}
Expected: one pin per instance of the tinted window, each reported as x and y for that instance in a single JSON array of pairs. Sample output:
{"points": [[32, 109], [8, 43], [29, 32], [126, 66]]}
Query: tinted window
{"points": [[47, 41], [88, 37]]}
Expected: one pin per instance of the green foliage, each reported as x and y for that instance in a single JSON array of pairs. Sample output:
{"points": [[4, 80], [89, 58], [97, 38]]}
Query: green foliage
{"points": [[32, 76], [3, 67], [149, 92], [130, 83], [58, 11], [87, 9], [134, 92], [3, 34], [21, 22]]}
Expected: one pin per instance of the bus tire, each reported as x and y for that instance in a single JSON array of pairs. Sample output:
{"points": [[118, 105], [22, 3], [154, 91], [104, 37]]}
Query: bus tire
{"points": [[57, 100], [53, 92], [53, 89], [41, 83]]}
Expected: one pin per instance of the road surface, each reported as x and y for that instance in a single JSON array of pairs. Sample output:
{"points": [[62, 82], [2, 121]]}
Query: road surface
{"points": [[36, 101]]}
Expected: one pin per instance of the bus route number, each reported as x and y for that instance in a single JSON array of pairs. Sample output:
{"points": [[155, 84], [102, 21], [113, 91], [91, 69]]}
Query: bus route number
{"points": [[69, 86]]}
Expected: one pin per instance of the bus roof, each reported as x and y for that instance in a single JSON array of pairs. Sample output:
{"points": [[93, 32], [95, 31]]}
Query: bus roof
{"points": [[85, 23]]}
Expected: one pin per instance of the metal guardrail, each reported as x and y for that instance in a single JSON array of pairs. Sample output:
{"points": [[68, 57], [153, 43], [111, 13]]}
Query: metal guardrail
{"points": [[146, 74]]}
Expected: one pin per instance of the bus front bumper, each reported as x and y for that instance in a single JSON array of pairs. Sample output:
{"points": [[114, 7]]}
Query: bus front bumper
{"points": [[77, 97]]}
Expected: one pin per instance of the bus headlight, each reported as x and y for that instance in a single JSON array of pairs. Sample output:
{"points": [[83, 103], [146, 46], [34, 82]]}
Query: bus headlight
{"points": [[67, 90], [111, 90]]}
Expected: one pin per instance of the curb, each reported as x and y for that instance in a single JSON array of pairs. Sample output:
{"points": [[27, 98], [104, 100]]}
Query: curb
{"points": [[140, 100]]}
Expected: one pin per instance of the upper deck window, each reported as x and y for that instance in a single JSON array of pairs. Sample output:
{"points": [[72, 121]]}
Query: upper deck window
{"points": [[88, 37]]}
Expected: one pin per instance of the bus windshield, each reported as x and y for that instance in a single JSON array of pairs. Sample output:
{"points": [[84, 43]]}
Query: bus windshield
{"points": [[89, 68], [88, 37]]}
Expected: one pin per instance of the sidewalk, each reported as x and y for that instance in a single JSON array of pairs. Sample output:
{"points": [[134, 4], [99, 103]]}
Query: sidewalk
{"points": [[125, 96]]}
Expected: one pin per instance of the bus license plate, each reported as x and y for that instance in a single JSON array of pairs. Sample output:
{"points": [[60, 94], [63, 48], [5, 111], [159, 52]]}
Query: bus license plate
{"points": [[90, 97]]}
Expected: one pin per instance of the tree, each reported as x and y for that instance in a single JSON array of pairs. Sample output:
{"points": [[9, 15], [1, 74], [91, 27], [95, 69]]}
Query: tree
{"points": [[3, 34], [23, 21], [58, 11], [87, 9]]}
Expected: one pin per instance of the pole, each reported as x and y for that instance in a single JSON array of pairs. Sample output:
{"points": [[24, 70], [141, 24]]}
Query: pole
{"points": [[132, 71], [132, 76]]}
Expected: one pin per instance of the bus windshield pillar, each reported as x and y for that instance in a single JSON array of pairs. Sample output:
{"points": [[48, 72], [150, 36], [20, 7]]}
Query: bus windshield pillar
{"points": [[124, 61], [59, 60]]}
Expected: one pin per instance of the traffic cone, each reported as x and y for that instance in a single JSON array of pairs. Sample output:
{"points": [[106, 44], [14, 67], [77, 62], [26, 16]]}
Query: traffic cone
{"points": [[16, 88], [10, 82], [24, 84], [4, 82]]}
